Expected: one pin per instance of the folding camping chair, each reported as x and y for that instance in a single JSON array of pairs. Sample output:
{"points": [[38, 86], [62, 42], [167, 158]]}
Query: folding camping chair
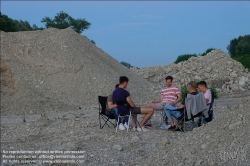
{"points": [[210, 110], [121, 118], [188, 124], [102, 112]]}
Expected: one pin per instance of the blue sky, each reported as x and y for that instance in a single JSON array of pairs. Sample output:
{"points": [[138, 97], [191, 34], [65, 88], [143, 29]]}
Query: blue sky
{"points": [[147, 33]]}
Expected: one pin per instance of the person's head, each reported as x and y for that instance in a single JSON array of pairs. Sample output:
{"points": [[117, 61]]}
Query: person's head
{"points": [[123, 81], [116, 86], [169, 80], [202, 86], [191, 87]]}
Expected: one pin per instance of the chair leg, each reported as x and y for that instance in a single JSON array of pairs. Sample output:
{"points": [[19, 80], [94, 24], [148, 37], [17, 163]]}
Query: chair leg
{"points": [[117, 125], [100, 121], [129, 121]]}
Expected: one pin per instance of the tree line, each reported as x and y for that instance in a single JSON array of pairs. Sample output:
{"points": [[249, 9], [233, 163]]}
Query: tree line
{"points": [[61, 20]]}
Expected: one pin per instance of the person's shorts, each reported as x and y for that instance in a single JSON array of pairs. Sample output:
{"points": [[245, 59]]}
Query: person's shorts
{"points": [[136, 110], [159, 106]]}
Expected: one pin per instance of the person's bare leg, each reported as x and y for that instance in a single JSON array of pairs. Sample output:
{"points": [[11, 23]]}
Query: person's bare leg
{"points": [[150, 105], [171, 122], [134, 118], [148, 113]]}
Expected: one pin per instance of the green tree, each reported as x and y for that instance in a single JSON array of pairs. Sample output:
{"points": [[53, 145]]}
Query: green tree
{"points": [[9, 25], [128, 65], [207, 51], [92, 41], [184, 57], [244, 60], [239, 46], [63, 20]]}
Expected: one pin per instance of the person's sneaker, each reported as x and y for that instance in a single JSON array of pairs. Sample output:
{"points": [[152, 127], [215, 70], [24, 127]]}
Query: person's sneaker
{"points": [[172, 128], [126, 125], [134, 129], [165, 127], [148, 124], [121, 126], [142, 129]]}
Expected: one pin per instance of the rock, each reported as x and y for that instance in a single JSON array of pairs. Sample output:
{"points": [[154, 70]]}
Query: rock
{"points": [[208, 69], [212, 163], [166, 141], [234, 88], [242, 81], [234, 75], [117, 147], [135, 139], [242, 89], [234, 125], [203, 146]]}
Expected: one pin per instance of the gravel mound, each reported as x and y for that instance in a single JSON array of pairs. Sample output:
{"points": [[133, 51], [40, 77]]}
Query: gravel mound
{"points": [[53, 69], [216, 67]]}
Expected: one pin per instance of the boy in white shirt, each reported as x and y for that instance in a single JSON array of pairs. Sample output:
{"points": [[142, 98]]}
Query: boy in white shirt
{"points": [[202, 86]]}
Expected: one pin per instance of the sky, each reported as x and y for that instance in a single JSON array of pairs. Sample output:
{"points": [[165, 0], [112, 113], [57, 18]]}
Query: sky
{"points": [[146, 33]]}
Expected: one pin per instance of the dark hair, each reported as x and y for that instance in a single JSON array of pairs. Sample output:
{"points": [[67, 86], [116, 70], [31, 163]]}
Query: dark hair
{"points": [[192, 84], [202, 83], [123, 79], [116, 86], [169, 78]]}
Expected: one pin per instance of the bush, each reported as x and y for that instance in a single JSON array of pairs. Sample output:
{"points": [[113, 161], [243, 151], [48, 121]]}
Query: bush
{"points": [[244, 60], [184, 57], [213, 89], [207, 51]]}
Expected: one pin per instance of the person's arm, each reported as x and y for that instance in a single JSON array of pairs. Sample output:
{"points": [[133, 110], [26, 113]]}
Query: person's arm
{"points": [[130, 102], [159, 100], [111, 105], [181, 106], [178, 98], [178, 94]]}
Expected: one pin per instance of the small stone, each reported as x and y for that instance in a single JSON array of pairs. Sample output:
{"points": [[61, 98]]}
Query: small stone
{"points": [[166, 141], [234, 125], [203, 146], [117, 147]]}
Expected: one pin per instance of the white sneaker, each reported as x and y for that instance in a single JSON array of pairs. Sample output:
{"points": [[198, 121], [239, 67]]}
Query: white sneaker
{"points": [[165, 127], [142, 129], [126, 125], [121, 126], [134, 129]]}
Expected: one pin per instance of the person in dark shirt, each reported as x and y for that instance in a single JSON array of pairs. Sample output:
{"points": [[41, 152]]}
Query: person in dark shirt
{"points": [[124, 104]]}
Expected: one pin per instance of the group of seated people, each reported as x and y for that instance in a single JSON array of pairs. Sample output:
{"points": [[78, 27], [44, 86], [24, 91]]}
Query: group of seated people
{"points": [[170, 96]]}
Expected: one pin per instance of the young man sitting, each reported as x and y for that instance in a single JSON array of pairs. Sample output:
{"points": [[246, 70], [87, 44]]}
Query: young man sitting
{"points": [[170, 95], [124, 103], [202, 86], [167, 108], [112, 110]]}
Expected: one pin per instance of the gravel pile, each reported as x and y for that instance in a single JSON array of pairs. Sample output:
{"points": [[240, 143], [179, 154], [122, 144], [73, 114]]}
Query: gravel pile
{"points": [[216, 67], [53, 69]]}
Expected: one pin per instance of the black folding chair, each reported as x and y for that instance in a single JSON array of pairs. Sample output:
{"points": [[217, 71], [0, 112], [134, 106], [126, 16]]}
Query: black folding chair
{"points": [[211, 109], [102, 112], [187, 124]]}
